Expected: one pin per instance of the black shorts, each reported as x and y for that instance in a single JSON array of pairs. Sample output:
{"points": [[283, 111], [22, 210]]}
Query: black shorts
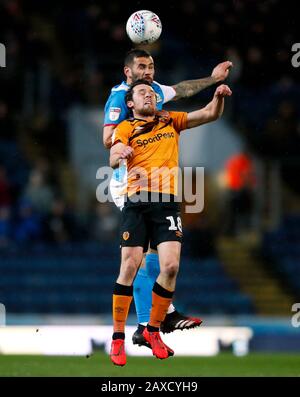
{"points": [[150, 222]]}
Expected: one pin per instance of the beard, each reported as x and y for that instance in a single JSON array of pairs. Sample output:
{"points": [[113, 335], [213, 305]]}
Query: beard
{"points": [[147, 111], [135, 77]]}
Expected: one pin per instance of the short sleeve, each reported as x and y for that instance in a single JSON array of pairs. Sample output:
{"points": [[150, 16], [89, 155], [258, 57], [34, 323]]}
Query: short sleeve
{"points": [[168, 92], [179, 120], [121, 133], [115, 109]]}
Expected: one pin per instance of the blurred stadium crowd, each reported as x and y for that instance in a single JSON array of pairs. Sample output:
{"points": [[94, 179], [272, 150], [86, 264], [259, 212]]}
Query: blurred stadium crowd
{"points": [[60, 55]]}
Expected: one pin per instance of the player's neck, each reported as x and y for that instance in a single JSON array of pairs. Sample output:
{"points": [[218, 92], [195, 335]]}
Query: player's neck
{"points": [[142, 117]]}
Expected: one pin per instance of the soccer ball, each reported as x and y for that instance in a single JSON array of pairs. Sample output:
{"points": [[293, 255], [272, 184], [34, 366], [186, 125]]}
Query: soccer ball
{"points": [[143, 27]]}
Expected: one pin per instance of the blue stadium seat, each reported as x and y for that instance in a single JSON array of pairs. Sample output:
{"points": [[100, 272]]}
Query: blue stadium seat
{"points": [[79, 279], [282, 246]]}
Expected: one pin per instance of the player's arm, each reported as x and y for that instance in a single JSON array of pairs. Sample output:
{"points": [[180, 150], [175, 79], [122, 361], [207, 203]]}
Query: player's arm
{"points": [[108, 131], [212, 111], [188, 88], [119, 151], [115, 111]]}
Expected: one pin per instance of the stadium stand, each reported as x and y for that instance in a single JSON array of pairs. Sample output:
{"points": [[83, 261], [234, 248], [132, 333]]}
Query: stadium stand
{"points": [[61, 56], [282, 248], [77, 279]]}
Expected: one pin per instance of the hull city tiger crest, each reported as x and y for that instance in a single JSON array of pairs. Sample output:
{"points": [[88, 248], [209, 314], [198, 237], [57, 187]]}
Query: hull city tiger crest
{"points": [[126, 236]]}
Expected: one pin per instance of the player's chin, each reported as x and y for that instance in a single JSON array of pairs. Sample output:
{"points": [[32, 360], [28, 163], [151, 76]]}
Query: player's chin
{"points": [[149, 79], [148, 110]]}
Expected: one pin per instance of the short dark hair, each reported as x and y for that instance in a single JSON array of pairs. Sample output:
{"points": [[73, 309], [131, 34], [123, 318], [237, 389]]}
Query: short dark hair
{"points": [[135, 53], [129, 93]]}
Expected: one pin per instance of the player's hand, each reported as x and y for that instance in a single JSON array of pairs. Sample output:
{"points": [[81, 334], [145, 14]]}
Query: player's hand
{"points": [[222, 91], [126, 153], [221, 71]]}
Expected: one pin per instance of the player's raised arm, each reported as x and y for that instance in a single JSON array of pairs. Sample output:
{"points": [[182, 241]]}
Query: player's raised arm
{"points": [[212, 111], [118, 152], [189, 88]]}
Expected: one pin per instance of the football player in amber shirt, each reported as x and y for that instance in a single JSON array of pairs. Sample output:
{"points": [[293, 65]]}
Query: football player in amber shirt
{"points": [[155, 147], [150, 139], [139, 64]]}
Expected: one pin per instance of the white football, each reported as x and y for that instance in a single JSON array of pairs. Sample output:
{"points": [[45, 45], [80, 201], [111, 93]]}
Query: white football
{"points": [[143, 27]]}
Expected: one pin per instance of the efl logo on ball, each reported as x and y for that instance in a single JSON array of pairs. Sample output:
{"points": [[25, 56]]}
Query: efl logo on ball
{"points": [[143, 27]]}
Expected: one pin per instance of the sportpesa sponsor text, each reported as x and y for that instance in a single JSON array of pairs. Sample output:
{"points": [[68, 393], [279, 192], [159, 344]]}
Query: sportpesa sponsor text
{"points": [[156, 138]]}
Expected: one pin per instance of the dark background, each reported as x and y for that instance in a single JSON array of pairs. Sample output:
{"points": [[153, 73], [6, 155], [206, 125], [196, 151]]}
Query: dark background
{"points": [[65, 54]]}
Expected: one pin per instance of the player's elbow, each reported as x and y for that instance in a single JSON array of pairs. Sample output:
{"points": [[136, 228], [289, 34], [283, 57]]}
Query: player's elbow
{"points": [[215, 115]]}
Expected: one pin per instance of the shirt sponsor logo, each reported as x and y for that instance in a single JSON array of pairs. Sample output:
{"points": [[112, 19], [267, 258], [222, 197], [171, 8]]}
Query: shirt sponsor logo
{"points": [[156, 138], [114, 113]]}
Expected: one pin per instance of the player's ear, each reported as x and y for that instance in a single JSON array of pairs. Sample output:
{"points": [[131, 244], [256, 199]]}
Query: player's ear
{"points": [[130, 104], [126, 71]]}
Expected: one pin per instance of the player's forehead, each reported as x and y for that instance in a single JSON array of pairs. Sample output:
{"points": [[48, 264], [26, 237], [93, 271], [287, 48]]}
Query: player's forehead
{"points": [[147, 61], [142, 88]]}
